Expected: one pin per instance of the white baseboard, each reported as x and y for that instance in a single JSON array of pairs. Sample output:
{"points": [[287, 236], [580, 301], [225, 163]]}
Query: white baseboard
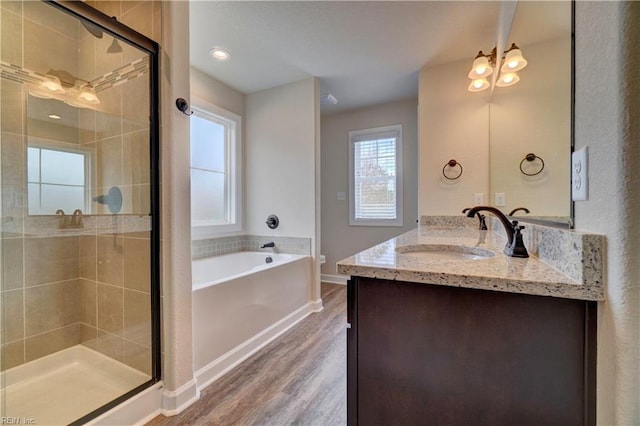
{"points": [[334, 279], [174, 402], [223, 364], [150, 403]]}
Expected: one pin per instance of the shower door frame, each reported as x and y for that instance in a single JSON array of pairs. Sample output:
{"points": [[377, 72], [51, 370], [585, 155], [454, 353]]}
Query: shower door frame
{"points": [[80, 10]]}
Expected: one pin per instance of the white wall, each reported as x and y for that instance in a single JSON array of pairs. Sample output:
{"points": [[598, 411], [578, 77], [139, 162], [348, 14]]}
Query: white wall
{"points": [[453, 123], [177, 359], [216, 92], [534, 116], [281, 162], [608, 122], [339, 240]]}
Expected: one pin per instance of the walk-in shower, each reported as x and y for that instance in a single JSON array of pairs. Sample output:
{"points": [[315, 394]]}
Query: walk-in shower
{"points": [[79, 311]]}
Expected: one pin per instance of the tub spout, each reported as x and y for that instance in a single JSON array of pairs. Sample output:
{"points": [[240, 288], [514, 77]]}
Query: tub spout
{"points": [[271, 244]]}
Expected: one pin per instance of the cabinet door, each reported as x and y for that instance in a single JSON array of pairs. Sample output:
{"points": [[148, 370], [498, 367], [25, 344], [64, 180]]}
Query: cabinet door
{"points": [[430, 354], [352, 355]]}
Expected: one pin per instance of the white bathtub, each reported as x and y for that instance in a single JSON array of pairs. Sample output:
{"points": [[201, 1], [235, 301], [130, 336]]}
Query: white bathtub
{"points": [[241, 302]]}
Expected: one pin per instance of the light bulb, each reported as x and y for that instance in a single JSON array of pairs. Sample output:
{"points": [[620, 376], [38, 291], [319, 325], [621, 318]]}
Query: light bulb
{"points": [[88, 97], [508, 79], [52, 85], [480, 68], [219, 53], [478, 85], [513, 60]]}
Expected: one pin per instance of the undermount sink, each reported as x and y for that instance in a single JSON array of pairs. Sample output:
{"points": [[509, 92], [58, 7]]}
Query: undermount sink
{"points": [[444, 251]]}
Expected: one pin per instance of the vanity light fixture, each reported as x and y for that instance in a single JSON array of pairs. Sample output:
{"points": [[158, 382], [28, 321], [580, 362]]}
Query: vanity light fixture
{"points": [[508, 79], [513, 60], [52, 84], [483, 66], [478, 85], [219, 53], [88, 95]]}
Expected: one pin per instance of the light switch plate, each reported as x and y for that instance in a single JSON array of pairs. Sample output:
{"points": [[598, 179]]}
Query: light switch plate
{"points": [[342, 196], [500, 199], [580, 175], [478, 198]]}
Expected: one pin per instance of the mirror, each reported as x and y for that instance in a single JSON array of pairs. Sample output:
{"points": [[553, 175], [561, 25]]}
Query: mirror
{"points": [[77, 160], [535, 117]]}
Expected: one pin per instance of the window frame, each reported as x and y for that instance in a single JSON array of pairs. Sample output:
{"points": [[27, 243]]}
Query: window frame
{"points": [[51, 145], [356, 136], [234, 189]]}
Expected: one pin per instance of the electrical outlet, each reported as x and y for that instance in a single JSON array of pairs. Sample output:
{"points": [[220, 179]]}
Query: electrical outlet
{"points": [[500, 199], [478, 198], [580, 175]]}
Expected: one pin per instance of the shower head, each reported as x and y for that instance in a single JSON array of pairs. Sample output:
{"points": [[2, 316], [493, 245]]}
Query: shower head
{"points": [[115, 47], [95, 30]]}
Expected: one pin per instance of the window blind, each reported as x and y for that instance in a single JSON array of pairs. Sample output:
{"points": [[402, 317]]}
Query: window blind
{"points": [[375, 178]]}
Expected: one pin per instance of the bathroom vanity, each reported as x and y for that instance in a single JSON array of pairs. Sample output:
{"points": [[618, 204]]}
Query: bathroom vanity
{"points": [[446, 329]]}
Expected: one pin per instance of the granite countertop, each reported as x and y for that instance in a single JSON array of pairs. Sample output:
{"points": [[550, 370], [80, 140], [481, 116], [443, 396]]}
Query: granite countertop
{"points": [[498, 273]]}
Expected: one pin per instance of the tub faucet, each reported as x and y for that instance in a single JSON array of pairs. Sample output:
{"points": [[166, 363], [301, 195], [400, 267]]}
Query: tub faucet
{"points": [[271, 244], [515, 245], [482, 225]]}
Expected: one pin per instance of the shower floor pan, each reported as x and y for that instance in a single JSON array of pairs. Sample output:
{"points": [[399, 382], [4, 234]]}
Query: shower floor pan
{"points": [[64, 386]]}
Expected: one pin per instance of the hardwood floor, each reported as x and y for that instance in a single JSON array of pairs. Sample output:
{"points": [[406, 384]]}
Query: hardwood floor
{"points": [[298, 379]]}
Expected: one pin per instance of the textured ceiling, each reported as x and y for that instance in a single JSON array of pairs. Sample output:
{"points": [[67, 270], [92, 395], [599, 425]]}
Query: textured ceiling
{"points": [[363, 52]]}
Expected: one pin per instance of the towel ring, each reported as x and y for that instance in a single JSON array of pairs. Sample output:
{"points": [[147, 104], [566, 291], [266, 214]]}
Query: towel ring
{"points": [[452, 163], [532, 157]]}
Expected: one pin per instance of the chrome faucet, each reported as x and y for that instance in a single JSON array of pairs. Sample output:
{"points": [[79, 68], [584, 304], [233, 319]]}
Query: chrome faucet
{"points": [[515, 245], [524, 209], [76, 219], [481, 218], [73, 221], [64, 220]]}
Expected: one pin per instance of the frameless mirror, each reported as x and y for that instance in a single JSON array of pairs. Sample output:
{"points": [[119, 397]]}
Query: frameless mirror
{"points": [[534, 117]]}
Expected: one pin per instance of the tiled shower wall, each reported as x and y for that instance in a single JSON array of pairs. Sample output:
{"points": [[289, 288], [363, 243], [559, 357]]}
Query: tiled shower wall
{"points": [[89, 286]]}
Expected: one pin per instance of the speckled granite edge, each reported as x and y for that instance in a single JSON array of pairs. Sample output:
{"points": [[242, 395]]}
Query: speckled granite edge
{"points": [[575, 254], [561, 290]]}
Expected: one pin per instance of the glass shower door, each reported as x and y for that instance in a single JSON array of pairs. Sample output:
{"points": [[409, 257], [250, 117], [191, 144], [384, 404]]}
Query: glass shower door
{"points": [[78, 248]]}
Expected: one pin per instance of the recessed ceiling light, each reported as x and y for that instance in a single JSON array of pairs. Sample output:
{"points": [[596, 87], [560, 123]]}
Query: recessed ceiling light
{"points": [[219, 53], [54, 117]]}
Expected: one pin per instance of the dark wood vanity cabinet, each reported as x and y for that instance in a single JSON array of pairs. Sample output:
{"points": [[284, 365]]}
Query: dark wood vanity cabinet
{"points": [[420, 354]]}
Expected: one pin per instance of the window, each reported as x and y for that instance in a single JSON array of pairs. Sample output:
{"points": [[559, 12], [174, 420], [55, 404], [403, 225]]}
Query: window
{"points": [[57, 179], [375, 176], [215, 170]]}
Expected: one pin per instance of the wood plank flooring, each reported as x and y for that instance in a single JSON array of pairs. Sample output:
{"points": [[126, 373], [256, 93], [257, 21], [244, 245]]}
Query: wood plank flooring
{"points": [[298, 379]]}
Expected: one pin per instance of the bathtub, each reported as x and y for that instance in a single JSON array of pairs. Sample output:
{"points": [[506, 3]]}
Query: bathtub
{"points": [[241, 303]]}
